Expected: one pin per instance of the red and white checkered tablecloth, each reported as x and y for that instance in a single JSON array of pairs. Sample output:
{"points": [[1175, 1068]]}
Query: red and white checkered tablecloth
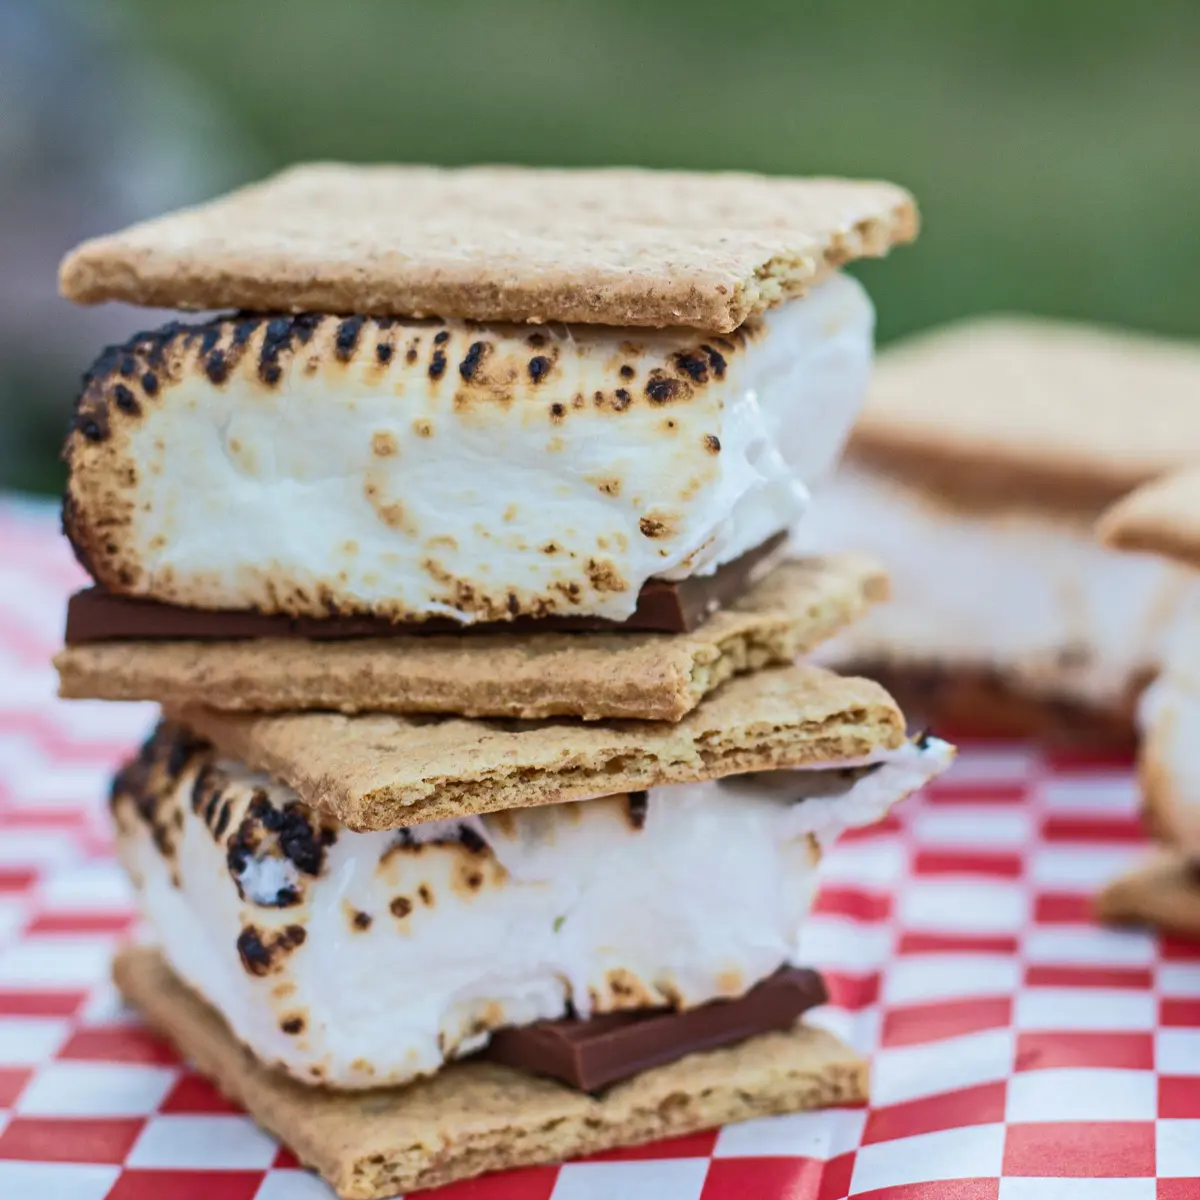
{"points": [[1019, 1051]]}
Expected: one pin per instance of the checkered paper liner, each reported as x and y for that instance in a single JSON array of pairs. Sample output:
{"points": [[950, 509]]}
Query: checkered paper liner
{"points": [[1018, 1050]]}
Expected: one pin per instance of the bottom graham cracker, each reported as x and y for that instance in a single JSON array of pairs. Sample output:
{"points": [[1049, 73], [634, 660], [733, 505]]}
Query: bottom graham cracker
{"points": [[475, 1117], [1163, 893]]}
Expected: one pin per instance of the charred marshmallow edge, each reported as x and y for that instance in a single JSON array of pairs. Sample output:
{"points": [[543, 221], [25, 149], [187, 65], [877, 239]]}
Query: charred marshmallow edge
{"points": [[1169, 718], [1034, 598], [407, 469], [367, 959]]}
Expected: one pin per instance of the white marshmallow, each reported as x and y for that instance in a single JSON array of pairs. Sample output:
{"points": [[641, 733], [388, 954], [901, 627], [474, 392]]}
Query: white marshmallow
{"points": [[493, 920], [1033, 597], [353, 484]]}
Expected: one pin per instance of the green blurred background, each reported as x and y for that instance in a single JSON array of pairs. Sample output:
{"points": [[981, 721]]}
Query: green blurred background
{"points": [[1054, 144]]}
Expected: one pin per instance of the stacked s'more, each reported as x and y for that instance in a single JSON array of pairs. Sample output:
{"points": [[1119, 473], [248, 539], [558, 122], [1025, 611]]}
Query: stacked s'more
{"points": [[1163, 518], [482, 823], [985, 453]]}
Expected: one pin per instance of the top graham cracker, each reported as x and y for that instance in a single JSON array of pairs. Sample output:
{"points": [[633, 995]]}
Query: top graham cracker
{"points": [[1006, 408], [1161, 518], [614, 246]]}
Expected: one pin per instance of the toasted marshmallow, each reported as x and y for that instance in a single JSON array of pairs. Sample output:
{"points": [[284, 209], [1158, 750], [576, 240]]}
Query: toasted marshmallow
{"points": [[411, 469], [364, 959], [1028, 595], [1169, 718]]}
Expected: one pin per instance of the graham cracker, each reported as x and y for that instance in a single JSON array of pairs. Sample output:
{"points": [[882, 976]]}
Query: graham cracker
{"points": [[997, 409], [659, 677], [381, 771], [612, 247], [475, 1117], [1164, 893], [968, 701], [1162, 518]]}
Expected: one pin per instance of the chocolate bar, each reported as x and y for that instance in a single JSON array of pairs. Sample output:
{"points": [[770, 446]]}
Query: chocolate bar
{"points": [[590, 1055], [97, 615]]}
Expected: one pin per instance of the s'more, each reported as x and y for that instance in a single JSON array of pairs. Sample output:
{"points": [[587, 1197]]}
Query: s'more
{"points": [[984, 455], [1163, 518], [482, 824], [629, 387]]}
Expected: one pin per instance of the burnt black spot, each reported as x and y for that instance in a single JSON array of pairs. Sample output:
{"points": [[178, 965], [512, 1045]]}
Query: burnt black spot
{"points": [[401, 906], [638, 803], [183, 749], [557, 411], [347, 337], [210, 335], [256, 958], [292, 1025], [93, 425], [210, 809], [205, 779], [128, 366], [622, 400], [441, 337], [539, 367], [536, 340], [125, 400], [237, 855], [472, 359], [259, 952], [922, 740], [471, 840], [425, 894], [264, 812], [243, 330], [362, 920], [158, 343], [222, 821], [279, 331], [216, 368], [712, 443], [661, 389], [150, 383], [276, 339], [627, 372], [716, 360], [304, 324], [301, 843], [384, 352], [384, 322], [410, 355], [693, 365], [437, 365]]}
